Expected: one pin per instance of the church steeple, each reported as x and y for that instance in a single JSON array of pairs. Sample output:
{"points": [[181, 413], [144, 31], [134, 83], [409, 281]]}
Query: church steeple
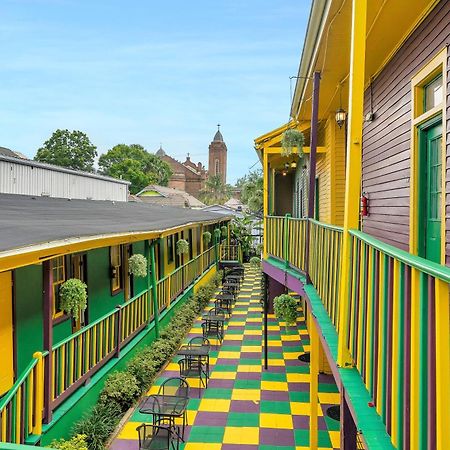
{"points": [[218, 156]]}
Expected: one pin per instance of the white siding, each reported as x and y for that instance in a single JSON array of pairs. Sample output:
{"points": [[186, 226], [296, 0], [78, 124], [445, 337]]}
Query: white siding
{"points": [[17, 178]]}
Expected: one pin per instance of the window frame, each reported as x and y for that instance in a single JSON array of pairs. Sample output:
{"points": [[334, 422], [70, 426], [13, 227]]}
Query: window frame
{"points": [[119, 270], [58, 314]]}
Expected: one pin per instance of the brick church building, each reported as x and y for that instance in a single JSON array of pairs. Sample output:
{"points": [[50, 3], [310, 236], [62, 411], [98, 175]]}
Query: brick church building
{"points": [[190, 177]]}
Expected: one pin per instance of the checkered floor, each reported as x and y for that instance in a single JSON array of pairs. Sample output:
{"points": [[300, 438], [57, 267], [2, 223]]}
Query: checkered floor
{"points": [[244, 406]]}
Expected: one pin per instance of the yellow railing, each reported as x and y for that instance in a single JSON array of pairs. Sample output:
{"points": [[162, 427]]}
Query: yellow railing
{"points": [[230, 252], [296, 247], [135, 314], [21, 408], [274, 236]]}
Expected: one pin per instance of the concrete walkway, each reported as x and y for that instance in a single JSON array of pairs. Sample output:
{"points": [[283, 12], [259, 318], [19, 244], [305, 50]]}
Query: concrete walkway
{"points": [[244, 406]]}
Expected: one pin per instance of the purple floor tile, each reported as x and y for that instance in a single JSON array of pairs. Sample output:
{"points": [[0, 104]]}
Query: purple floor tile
{"points": [[218, 419], [251, 355], [274, 436], [301, 422], [228, 361], [292, 362], [278, 396], [125, 444], [239, 447], [293, 344], [248, 376], [322, 423], [298, 387], [324, 378], [245, 406], [224, 384]]}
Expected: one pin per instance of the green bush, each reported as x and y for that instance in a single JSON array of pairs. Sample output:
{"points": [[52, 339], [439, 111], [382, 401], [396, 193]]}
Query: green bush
{"points": [[77, 442], [144, 369], [285, 308], [98, 424], [120, 388], [255, 262]]}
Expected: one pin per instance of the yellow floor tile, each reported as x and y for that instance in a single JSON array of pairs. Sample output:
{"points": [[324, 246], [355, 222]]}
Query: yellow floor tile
{"points": [[246, 394], [275, 362], [241, 435], [129, 431], [253, 332], [274, 386], [202, 446], [303, 409], [267, 420], [298, 377], [290, 337], [329, 397], [214, 405], [228, 355], [335, 438], [273, 327], [247, 368], [275, 344], [223, 375], [291, 355], [251, 348]]}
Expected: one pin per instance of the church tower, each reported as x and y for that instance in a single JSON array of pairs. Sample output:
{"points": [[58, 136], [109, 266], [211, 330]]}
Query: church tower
{"points": [[217, 164]]}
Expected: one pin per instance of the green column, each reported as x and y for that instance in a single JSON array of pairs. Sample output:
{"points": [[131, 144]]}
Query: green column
{"points": [[152, 279], [286, 239]]}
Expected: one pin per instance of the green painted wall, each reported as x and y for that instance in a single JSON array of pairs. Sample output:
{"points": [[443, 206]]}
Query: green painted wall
{"points": [[62, 330], [100, 300], [28, 314]]}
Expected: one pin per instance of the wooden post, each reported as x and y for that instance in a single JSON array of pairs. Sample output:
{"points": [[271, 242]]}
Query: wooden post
{"points": [[39, 392], [154, 288], [312, 166], [353, 168], [266, 194], [314, 384], [48, 338], [148, 280]]}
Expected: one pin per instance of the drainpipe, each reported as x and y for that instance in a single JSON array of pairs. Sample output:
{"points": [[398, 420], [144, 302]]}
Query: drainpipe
{"points": [[312, 166], [154, 287]]}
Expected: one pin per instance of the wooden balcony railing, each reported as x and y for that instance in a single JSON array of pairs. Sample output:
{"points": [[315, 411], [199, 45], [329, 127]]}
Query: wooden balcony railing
{"points": [[397, 329], [79, 356]]}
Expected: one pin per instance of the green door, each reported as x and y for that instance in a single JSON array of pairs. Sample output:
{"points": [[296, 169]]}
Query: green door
{"points": [[431, 181]]}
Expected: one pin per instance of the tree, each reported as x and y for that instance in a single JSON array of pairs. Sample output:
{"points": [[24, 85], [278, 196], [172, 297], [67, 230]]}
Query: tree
{"points": [[71, 149], [251, 186], [215, 191], [135, 164]]}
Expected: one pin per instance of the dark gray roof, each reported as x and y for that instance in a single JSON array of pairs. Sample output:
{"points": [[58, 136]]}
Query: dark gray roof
{"points": [[28, 220], [218, 137]]}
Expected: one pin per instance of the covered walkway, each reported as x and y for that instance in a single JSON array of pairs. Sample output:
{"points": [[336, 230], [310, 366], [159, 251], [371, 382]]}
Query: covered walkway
{"points": [[244, 406]]}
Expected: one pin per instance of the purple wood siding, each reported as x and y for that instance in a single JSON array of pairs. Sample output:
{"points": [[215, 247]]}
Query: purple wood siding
{"points": [[386, 140]]}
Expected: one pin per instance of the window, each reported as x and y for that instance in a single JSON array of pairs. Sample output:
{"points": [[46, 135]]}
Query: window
{"points": [[170, 249], [433, 93], [191, 244], [59, 276], [217, 167], [116, 268], [198, 240]]}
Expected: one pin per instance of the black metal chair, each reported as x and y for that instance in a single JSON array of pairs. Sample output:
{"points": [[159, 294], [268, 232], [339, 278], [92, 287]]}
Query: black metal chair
{"points": [[194, 367], [213, 329], [224, 304], [157, 437]]}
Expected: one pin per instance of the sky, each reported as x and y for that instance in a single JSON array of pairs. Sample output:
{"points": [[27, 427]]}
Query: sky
{"points": [[149, 72]]}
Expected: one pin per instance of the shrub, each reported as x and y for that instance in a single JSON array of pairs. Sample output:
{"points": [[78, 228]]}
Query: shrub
{"points": [[98, 424], [182, 246], [255, 262], [73, 297], [77, 442], [144, 369], [137, 265], [285, 308], [120, 388]]}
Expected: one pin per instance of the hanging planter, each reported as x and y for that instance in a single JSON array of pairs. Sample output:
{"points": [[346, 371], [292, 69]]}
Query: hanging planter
{"points": [[285, 308], [292, 138], [137, 265], [182, 246], [217, 233], [224, 231], [73, 297], [206, 237]]}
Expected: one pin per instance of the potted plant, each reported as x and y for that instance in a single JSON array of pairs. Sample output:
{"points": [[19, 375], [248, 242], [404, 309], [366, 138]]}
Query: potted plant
{"points": [[206, 237], [224, 231], [73, 297], [217, 233], [182, 246], [285, 308], [292, 138], [255, 262], [137, 265]]}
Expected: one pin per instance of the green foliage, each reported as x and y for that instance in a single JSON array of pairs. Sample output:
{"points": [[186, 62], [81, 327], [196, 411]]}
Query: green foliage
{"points": [[251, 186], [217, 233], [73, 297], [71, 149], [98, 424], [241, 232], [182, 246], [77, 442], [292, 138], [137, 265], [215, 191], [134, 163], [121, 389], [285, 308], [224, 231], [206, 237], [255, 262]]}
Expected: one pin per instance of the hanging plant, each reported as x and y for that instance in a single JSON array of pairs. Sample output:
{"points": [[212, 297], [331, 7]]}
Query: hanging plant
{"points": [[224, 231], [137, 265], [73, 297], [255, 262], [285, 308], [217, 233], [182, 246], [292, 138], [206, 237]]}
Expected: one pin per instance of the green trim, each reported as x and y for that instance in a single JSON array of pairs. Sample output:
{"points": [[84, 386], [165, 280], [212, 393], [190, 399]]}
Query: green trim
{"points": [[154, 288], [401, 354], [326, 225], [423, 362], [429, 267], [384, 336]]}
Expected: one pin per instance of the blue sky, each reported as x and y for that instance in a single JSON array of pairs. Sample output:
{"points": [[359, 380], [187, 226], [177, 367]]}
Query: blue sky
{"points": [[146, 71]]}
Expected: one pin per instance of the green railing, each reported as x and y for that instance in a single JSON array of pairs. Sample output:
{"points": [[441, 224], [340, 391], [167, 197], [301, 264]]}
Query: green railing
{"points": [[396, 326], [21, 408]]}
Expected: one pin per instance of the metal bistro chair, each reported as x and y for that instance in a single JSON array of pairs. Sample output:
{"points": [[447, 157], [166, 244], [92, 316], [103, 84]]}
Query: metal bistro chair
{"points": [[224, 304], [213, 325], [175, 390], [193, 367], [156, 437], [203, 343]]}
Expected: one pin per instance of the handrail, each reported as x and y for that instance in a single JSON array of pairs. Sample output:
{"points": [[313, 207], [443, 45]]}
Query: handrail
{"points": [[424, 265], [8, 397], [325, 225]]}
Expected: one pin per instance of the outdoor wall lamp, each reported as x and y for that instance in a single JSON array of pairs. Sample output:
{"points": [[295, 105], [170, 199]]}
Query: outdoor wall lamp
{"points": [[293, 165], [340, 116]]}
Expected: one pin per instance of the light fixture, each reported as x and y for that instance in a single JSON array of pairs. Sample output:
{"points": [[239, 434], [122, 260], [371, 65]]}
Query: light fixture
{"points": [[341, 116], [293, 165], [284, 173]]}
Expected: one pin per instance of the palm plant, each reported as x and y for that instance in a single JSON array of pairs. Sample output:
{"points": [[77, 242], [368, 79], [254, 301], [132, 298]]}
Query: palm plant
{"points": [[215, 191]]}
